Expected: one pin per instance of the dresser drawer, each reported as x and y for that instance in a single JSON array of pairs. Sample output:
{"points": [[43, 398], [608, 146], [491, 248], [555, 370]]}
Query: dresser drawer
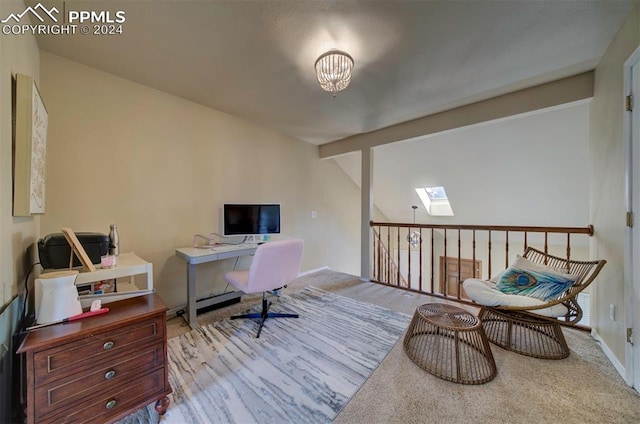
{"points": [[92, 351], [87, 384], [112, 404]]}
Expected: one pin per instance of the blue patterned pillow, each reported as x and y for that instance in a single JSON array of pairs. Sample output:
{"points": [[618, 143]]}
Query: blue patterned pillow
{"points": [[526, 278]]}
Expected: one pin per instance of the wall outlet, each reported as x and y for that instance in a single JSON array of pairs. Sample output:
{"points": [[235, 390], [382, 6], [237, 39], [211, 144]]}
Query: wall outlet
{"points": [[314, 215], [612, 312]]}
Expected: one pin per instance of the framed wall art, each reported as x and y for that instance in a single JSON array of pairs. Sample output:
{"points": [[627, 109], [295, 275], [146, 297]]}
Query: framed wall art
{"points": [[30, 147]]}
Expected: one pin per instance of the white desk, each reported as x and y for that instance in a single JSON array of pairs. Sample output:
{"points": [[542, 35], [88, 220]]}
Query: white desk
{"points": [[194, 256]]}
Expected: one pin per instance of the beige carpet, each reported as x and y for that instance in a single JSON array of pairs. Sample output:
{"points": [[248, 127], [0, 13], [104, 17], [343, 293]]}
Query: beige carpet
{"points": [[584, 388]]}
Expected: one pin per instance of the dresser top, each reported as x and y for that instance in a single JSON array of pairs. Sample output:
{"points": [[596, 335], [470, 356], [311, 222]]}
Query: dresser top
{"points": [[121, 313]]}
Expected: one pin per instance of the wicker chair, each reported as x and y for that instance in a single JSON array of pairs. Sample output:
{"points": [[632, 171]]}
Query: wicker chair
{"points": [[522, 330]]}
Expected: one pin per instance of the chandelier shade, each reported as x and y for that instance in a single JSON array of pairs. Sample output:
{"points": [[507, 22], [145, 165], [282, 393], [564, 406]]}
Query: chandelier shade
{"points": [[414, 238], [333, 70]]}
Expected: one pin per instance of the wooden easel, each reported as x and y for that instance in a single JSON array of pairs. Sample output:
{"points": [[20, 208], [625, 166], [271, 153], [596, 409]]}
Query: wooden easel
{"points": [[78, 250]]}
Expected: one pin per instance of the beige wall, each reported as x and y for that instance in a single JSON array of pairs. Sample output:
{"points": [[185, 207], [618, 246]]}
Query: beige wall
{"points": [[607, 181], [18, 54], [161, 167]]}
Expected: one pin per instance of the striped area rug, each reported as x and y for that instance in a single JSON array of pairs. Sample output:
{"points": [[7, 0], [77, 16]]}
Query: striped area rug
{"points": [[299, 371]]}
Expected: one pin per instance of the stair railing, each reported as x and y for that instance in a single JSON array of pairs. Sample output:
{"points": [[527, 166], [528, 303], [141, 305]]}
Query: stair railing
{"points": [[488, 248]]}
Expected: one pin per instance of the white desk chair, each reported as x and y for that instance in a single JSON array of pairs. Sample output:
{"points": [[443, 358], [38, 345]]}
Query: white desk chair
{"points": [[275, 264]]}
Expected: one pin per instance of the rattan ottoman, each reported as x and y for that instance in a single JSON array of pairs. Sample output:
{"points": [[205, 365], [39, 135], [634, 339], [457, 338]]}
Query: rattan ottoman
{"points": [[450, 343]]}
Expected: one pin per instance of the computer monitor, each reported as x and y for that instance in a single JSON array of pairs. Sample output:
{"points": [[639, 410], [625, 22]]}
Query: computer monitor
{"points": [[250, 219]]}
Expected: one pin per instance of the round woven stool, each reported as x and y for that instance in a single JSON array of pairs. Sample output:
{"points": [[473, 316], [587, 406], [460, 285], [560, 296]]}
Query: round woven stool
{"points": [[450, 343]]}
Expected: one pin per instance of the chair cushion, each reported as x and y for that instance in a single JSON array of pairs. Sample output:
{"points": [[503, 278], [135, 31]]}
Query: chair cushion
{"points": [[275, 264], [485, 293], [238, 279], [527, 278]]}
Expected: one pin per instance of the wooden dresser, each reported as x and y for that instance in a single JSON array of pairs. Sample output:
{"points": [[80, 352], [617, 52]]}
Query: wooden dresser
{"points": [[101, 368]]}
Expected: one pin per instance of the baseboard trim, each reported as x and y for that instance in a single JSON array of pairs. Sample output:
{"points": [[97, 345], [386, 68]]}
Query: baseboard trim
{"points": [[313, 271], [609, 354]]}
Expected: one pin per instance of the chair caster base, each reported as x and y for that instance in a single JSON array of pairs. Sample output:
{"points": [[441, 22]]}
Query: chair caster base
{"points": [[264, 314]]}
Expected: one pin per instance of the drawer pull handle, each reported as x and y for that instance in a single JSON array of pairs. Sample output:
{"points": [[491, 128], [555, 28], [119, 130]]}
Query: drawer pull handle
{"points": [[108, 345], [111, 404], [109, 375]]}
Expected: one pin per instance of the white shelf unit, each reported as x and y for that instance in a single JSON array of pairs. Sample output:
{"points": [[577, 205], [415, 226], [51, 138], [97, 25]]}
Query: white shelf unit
{"points": [[128, 265]]}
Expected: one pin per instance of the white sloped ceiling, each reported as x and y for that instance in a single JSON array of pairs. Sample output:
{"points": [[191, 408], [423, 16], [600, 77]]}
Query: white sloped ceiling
{"points": [[528, 170]]}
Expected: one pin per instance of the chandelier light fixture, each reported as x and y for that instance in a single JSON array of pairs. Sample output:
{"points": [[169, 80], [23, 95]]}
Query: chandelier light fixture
{"points": [[414, 238], [333, 70]]}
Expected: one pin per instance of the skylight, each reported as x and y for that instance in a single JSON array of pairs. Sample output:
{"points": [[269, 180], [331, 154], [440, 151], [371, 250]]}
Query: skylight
{"points": [[435, 201]]}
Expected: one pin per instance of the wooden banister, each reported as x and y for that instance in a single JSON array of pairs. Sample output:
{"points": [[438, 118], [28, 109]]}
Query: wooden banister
{"points": [[474, 244], [588, 230]]}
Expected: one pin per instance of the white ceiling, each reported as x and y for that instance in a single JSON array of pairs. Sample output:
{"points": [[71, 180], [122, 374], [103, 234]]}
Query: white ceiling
{"points": [[254, 59]]}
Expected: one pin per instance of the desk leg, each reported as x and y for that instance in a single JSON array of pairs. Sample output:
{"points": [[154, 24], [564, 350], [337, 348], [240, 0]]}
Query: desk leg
{"points": [[191, 296]]}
